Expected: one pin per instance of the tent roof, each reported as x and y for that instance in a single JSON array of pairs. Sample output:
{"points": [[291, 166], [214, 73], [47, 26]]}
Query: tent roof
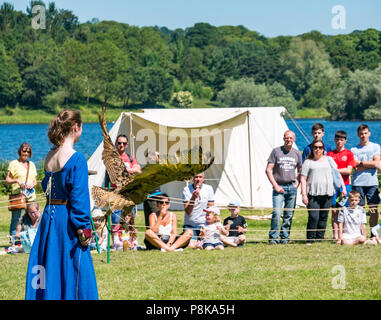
{"points": [[200, 117]]}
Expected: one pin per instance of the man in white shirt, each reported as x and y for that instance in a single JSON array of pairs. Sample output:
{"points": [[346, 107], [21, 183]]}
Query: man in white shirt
{"points": [[197, 197], [367, 158]]}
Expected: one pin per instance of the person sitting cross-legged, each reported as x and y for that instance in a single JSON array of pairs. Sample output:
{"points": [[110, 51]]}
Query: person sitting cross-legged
{"points": [[236, 226], [162, 233]]}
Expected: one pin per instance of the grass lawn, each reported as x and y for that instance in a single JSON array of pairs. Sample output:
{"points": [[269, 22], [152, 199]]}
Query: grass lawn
{"points": [[257, 271], [89, 113], [311, 113]]}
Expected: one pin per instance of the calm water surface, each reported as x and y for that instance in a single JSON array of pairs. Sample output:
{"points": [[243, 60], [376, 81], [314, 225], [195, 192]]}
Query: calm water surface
{"points": [[36, 134]]}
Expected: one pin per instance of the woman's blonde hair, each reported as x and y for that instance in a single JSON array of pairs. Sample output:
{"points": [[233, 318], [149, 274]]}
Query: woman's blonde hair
{"points": [[62, 125]]}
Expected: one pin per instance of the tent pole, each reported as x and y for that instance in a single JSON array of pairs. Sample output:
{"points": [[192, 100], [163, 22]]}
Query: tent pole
{"points": [[250, 171], [132, 137]]}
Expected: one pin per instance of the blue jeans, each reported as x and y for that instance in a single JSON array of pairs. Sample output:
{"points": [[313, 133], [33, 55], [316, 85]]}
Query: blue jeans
{"points": [[16, 215], [115, 216], [288, 198]]}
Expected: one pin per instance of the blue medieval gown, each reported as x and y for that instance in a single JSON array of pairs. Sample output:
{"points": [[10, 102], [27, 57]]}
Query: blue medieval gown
{"points": [[59, 267]]}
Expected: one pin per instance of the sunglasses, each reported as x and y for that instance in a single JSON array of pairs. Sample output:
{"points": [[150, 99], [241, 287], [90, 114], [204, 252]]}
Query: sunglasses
{"points": [[163, 202], [27, 151], [123, 143], [318, 147]]}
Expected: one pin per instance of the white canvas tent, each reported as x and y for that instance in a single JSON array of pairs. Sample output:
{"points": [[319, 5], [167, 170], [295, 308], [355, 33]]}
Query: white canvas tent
{"points": [[240, 139]]}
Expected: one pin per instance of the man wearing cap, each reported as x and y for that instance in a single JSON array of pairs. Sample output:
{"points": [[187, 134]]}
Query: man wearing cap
{"points": [[196, 197], [281, 172]]}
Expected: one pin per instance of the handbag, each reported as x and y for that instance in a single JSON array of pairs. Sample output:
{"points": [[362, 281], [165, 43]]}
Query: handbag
{"points": [[336, 175], [18, 201]]}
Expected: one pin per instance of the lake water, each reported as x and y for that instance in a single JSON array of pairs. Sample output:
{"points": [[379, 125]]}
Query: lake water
{"points": [[11, 136]]}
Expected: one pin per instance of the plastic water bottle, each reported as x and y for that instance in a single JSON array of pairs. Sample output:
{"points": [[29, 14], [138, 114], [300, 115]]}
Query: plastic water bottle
{"points": [[343, 201]]}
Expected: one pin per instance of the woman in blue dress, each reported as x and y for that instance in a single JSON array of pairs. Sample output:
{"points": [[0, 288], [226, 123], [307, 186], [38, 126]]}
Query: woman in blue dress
{"points": [[60, 265]]}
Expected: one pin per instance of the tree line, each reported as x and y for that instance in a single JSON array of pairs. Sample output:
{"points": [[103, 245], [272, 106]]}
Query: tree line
{"points": [[73, 63]]}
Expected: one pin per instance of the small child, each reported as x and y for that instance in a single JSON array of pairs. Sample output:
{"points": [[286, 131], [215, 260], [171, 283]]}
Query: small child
{"points": [[117, 237], [211, 231], [120, 236], [236, 226], [101, 230], [352, 221]]}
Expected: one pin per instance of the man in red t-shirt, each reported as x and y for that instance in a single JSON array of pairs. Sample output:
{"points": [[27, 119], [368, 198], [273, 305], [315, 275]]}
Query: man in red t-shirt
{"points": [[345, 163], [132, 167], [130, 162]]}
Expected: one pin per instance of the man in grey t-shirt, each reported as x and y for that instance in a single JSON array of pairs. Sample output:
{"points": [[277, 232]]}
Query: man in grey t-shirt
{"points": [[281, 172]]}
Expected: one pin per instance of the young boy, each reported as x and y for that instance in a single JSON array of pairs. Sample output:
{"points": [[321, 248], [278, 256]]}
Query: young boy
{"points": [[367, 157], [345, 163], [352, 221], [236, 225], [317, 133]]}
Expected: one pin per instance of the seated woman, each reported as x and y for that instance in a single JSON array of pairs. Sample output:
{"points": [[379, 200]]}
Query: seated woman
{"points": [[162, 233], [29, 220]]}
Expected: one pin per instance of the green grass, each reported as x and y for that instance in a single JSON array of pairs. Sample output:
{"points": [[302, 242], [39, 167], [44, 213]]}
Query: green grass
{"points": [[312, 113], [257, 271], [89, 113]]}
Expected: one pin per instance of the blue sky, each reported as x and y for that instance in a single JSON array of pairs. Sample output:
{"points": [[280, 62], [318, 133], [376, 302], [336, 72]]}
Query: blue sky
{"points": [[268, 17]]}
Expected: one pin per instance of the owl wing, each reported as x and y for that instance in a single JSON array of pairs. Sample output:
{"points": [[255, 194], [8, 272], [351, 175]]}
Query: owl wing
{"points": [[175, 169], [114, 165]]}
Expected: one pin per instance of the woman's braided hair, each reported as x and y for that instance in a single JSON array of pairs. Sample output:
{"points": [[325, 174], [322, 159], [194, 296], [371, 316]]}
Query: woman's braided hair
{"points": [[62, 125]]}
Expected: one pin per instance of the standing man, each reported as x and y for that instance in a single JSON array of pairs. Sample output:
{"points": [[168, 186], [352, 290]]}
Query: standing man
{"points": [[130, 162], [197, 197], [367, 158], [317, 132], [132, 167], [281, 172], [345, 163]]}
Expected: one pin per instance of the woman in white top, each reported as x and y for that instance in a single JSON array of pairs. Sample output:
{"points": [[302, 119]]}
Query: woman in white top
{"points": [[318, 190], [162, 233]]}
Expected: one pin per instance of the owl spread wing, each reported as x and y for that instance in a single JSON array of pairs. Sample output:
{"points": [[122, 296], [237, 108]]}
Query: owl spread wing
{"points": [[114, 165], [155, 175]]}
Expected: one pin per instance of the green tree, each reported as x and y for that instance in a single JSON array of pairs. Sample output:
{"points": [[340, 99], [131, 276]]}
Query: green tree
{"points": [[191, 65], [74, 70], [10, 80], [201, 35], [103, 61], [40, 65], [307, 67], [246, 93], [358, 96]]}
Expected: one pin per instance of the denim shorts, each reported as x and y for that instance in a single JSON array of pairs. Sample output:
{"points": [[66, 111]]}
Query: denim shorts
{"points": [[338, 195], [370, 193], [196, 231], [211, 245]]}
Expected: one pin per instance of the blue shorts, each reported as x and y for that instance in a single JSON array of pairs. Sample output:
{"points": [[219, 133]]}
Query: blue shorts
{"points": [[196, 231], [338, 195], [370, 193], [115, 216], [211, 245]]}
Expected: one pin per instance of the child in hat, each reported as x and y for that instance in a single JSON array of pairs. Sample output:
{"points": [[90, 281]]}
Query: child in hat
{"points": [[236, 226], [210, 233]]}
